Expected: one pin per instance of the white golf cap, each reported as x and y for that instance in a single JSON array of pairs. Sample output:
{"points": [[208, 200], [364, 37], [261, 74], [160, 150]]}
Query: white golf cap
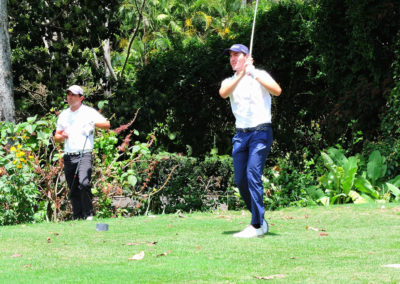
{"points": [[75, 89]]}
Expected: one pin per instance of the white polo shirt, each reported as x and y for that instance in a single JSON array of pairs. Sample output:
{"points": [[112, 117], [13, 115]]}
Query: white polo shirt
{"points": [[72, 122], [250, 101]]}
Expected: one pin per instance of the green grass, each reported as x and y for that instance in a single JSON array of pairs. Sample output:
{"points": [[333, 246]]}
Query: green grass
{"points": [[200, 248]]}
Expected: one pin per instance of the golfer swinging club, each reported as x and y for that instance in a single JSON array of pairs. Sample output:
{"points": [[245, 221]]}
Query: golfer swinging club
{"points": [[75, 126], [249, 91]]}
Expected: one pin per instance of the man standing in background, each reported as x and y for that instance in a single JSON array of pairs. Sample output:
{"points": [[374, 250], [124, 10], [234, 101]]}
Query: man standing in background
{"points": [[249, 91], [75, 127]]}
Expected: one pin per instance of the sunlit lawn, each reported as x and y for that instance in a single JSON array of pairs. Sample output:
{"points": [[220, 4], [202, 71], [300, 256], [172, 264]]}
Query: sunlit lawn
{"points": [[339, 244]]}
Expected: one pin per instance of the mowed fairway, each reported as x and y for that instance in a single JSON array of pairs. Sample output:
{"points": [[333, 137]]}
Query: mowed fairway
{"points": [[337, 244]]}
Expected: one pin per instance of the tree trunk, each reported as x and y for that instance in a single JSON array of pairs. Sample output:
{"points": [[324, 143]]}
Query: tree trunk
{"points": [[7, 108]]}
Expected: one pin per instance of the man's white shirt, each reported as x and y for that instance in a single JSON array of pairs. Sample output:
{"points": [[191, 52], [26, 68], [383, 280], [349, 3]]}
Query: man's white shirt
{"points": [[250, 101], [72, 122]]}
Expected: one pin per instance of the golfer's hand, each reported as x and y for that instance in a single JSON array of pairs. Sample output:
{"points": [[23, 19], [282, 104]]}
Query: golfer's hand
{"points": [[60, 135], [64, 135], [250, 69], [88, 128]]}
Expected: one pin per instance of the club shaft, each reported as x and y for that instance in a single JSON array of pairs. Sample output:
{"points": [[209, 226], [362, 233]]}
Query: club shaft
{"points": [[253, 28]]}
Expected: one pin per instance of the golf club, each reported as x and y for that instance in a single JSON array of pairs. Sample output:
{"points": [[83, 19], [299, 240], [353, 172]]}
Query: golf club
{"points": [[252, 29]]}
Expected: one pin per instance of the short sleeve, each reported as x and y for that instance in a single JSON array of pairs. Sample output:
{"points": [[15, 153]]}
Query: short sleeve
{"points": [[264, 74], [97, 116], [60, 122]]}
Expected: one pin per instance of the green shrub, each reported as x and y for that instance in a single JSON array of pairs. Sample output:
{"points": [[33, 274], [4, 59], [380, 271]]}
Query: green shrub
{"points": [[168, 183], [287, 184], [352, 180], [196, 184], [22, 183]]}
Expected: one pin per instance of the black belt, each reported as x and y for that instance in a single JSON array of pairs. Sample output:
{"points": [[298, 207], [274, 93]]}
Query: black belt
{"points": [[261, 127], [76, 153]]}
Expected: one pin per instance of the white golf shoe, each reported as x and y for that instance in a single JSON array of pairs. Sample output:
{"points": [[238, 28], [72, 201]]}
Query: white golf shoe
{"points": [[265, 226], [250, 232]]}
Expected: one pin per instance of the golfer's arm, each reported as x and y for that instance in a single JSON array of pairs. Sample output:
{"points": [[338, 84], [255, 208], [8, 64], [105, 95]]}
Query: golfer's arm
{"points": [[103, 124], [270, 85], [226, 90], [58, 137]]}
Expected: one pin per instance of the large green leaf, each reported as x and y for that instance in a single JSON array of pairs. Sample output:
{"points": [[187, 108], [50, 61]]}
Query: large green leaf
{"points": [[335, 175], [325, 200], [395, 181], [327, 180], [328, 162], [393, 189], [337, 197], [337, 156], [356, 197], [132, 180], [363, 185], [350, 169], [376, 167], [368, 198]]}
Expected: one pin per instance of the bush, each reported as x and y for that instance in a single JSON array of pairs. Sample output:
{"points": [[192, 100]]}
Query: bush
{"points": [[288, 183], [25, 152], [356, 179], [168, 183], [196, 185]]}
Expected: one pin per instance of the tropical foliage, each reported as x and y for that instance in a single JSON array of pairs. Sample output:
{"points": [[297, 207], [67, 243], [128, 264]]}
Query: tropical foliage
{"points": [[344, 180]]}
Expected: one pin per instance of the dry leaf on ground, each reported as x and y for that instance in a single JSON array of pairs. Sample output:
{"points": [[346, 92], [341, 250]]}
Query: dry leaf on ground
{"points": [[323, 234], [224, 217], [315, 229], [270, 277], [16, 255], [138, 256], [311, 228]]}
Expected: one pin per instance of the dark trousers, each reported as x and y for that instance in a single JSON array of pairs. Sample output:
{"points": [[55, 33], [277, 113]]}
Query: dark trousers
{"points": [[250, 152], [79, 187]]}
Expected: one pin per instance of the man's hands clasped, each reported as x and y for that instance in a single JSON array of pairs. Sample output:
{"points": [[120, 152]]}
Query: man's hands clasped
{"points": [[250, 69]]}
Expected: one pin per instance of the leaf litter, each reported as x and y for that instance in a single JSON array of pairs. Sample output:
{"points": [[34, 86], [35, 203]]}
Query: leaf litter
{"points": [[138, 256], [270, 277], [315, 229], [153, 243]]}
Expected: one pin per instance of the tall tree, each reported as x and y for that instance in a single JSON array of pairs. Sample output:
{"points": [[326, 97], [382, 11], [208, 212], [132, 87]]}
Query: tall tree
{"points": [[58, 43], [7, 109]]}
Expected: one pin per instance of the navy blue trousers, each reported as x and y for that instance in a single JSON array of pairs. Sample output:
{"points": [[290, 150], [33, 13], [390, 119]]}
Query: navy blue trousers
{"points": [[80, 189], [250, 152]]}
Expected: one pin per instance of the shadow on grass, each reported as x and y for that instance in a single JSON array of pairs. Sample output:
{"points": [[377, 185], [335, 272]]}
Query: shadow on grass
{"points": [[234, 232]]}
